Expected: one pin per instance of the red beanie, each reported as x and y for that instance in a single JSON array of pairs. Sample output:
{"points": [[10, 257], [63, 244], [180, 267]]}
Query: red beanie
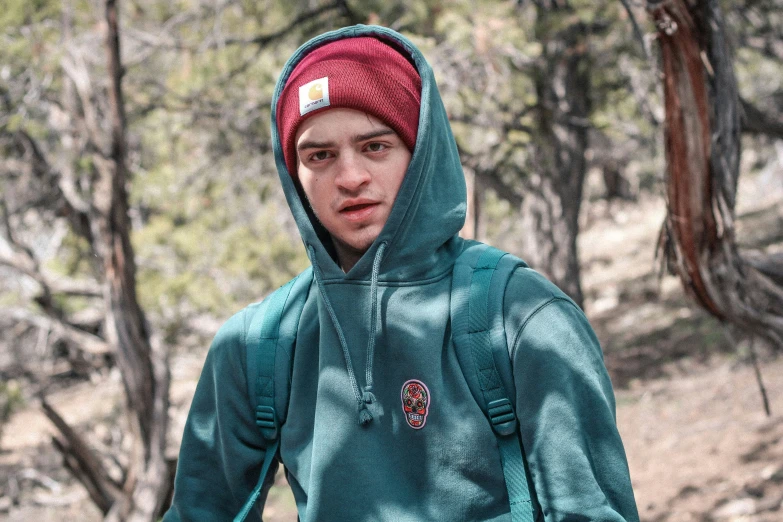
{"points": [[360, 73]]}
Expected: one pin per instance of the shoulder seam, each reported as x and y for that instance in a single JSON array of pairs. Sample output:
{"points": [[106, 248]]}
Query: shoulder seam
{"points": [[529, 317]]}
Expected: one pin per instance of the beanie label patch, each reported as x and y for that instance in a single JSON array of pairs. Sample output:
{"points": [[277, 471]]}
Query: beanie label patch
{"points": [[314, 95]]}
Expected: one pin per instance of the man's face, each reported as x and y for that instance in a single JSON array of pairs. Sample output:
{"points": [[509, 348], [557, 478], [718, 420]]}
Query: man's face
{"points": [[351, 166]]}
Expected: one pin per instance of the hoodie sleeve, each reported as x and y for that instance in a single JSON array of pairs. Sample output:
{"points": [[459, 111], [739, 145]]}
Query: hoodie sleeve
{"points": [[222, 449], [566, 410]]}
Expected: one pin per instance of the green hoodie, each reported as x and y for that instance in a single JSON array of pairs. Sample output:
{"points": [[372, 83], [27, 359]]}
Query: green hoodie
{"points": [[449, 467]]}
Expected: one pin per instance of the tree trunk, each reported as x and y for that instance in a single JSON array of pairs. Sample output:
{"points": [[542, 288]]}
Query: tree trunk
{"points": [[144, 372], [553, 193], [145, 375], [702, 151]]}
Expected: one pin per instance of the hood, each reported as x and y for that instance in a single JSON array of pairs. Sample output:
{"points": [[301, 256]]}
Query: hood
{"points": [[430, 206]]}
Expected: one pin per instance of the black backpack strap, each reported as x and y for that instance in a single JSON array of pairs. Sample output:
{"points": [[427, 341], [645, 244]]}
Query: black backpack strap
{"points": [[270, 347], [477, 288]]}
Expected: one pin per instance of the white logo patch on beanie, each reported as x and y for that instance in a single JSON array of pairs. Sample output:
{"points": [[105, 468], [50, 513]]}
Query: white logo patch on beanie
{"points": [[314, 95]]}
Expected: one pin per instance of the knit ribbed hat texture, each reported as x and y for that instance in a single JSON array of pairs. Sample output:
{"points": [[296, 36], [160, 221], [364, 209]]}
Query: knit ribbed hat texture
{"points": [[364, 74]]}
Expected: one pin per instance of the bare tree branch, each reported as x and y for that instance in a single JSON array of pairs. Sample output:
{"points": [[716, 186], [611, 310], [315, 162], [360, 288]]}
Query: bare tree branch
{"points": [[81, 339], [74, 67], [768, 48], [503, 189], [81, 461], [53, 284], [72, 206], [756, 121], [263, 40], [163, 41], [22, 259], [771, 265], [636, 30], [14, 166]]}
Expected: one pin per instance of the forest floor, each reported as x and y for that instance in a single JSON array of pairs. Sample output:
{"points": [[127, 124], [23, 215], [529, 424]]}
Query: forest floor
{"points": [[699, 445]]}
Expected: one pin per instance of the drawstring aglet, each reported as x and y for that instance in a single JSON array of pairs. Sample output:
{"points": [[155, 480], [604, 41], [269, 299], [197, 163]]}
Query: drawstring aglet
{"points": [[365, 416]]}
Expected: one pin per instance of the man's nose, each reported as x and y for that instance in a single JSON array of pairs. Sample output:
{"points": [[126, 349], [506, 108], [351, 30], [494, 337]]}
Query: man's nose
{"points": [[352, 172]]}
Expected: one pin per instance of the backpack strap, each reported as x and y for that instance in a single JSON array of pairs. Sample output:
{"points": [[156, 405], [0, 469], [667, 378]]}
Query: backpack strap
{"points": [[477, 288], [270, 348]]}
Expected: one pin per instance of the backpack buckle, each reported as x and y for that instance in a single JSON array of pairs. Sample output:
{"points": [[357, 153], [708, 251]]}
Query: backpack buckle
{"points": [[501, 417], [267, 421]]}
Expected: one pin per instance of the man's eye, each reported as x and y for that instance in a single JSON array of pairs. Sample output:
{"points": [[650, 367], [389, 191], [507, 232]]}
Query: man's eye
{"points": [[375, 147], [320, 155]]}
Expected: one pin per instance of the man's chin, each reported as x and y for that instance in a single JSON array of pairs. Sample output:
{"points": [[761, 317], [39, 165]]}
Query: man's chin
{"points": [[356, 246]]}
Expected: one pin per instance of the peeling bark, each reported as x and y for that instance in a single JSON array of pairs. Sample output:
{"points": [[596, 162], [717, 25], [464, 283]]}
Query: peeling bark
{"points": [[702, 140]]}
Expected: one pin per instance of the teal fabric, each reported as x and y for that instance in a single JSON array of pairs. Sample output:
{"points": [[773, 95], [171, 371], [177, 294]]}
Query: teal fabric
{"points": [[451, 468], [262, 481], [516, 480], [270, 341], [474, 331], [222, 449], [565, 406]]}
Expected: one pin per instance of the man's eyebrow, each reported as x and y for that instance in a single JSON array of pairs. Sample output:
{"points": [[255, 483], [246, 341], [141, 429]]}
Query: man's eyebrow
{"points": [[315, 145], [356, 139], [374, 134]]}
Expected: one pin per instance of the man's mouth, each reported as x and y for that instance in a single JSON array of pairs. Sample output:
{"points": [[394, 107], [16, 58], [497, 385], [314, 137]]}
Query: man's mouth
{"points": [[359, 211]]}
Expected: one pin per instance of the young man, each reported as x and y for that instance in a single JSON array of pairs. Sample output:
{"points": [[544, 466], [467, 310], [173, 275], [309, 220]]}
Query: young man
{"points": [[381, 424]]}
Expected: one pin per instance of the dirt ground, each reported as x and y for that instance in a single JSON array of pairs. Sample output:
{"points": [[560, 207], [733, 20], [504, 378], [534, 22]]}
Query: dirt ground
{"points": [[701, 448], [699, 445]]}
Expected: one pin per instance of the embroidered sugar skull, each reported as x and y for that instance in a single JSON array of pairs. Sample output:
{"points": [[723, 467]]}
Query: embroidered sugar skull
{"points": [[415, 403]]}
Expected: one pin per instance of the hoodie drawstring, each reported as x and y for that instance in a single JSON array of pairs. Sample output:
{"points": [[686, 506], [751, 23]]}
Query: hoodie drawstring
{"points": [[363, 398]]}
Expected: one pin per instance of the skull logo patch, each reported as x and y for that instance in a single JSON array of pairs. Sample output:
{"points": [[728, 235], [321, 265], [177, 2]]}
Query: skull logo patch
{"points": [[415, 403]]}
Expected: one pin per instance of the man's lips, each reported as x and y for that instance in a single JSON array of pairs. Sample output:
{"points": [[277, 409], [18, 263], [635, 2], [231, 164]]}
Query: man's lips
{"points": [[358, 210]]}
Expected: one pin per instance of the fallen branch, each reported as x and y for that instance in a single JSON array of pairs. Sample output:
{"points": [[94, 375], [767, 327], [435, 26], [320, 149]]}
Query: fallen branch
{"points": [[82, 462], [759, 381]]}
